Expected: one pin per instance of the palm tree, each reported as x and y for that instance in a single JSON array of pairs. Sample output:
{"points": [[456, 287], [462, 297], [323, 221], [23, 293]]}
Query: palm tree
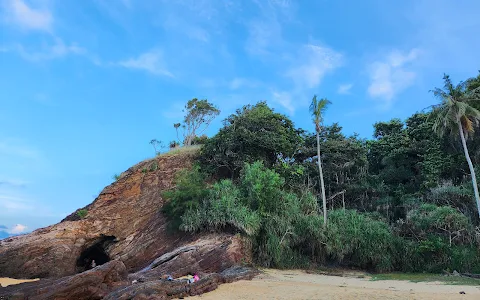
{"points": [[457, 114], [317, 109]]}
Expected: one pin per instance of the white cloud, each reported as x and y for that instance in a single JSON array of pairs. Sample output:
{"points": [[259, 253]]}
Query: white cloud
{"points": [[151, 62], [391, 75], [18, 228], [285, 100], [344, 89], [314, 62], [26, 17]]}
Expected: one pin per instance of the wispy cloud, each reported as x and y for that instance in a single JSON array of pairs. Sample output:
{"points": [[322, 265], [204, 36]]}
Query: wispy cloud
{"points": [[151, 62], [285, 100], [13, 204], [19, 156], [174, 112], [265, 30], [13, 183], [238, 83], [47, 52], [315, 61], [26, 17], [306, 72], [264, 34], [344, 89], [392, 75]]}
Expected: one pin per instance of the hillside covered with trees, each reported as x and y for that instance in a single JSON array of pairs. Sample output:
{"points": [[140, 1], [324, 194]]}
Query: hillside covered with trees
{"points": [[404, 200]]}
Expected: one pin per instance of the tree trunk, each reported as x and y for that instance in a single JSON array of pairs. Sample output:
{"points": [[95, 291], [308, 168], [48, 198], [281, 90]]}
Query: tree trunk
{"points": [[470, 165], [324, 199]]}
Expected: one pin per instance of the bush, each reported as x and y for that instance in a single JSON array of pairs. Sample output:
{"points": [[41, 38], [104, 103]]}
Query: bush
{"points": [[82, 213], [441, 221], [354, 239], [222, 210], [199, 140], [190, 190], [434, 239], [458, 197]]}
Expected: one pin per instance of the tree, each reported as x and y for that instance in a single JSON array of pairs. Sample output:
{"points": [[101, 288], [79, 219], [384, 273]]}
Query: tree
{"points": [[177, 125], [455, 114], [156, 143], [200, 113], [254, 132], [317, 109]]}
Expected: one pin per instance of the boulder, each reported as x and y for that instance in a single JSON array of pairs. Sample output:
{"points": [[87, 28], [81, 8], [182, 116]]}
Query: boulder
{"points": [[163, 289], [92, 284]]}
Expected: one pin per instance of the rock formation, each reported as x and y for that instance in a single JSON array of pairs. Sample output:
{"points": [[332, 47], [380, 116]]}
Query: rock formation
{"points": [[124, 231]]}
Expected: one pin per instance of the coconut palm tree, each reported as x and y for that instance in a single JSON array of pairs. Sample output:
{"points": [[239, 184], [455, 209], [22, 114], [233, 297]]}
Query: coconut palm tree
{"points": [[317, 109], [456, 114]]}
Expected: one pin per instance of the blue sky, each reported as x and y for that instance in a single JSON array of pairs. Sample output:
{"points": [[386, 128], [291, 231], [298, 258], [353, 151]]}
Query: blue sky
{"points": [[85, 85]]}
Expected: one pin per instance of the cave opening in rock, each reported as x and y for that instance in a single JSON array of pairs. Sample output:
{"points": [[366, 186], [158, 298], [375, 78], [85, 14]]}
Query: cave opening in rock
{"points": [[96, 254]]}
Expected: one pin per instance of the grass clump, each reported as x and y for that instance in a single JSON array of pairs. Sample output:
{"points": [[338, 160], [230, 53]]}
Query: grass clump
{"points": [[188, 150]]}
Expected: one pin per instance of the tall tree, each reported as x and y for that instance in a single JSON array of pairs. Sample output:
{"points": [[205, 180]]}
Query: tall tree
{"points": [[177, 125], [199, 115], [317, 109], [456, 113], [254, 132]]}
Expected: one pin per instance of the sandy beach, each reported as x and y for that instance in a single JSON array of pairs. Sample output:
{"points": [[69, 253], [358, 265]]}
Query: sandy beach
{"points": [[4, 281], [278, 284]]}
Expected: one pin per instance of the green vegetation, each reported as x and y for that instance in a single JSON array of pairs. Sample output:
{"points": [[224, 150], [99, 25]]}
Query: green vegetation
{"points": [[115, 177], [427, 277], [199, 115], [82, 213], [402, 201]]}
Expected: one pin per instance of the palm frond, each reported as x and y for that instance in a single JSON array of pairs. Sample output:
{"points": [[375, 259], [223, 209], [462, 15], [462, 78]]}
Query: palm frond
{"points": [[318, 108], [457, 104]]}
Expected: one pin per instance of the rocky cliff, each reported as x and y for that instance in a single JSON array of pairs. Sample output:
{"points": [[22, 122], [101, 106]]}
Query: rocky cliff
{"points": [[125, 226]]}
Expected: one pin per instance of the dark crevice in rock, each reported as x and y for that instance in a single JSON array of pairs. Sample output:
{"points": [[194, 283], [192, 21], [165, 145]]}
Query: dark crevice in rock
{"points": [[95, 255]]}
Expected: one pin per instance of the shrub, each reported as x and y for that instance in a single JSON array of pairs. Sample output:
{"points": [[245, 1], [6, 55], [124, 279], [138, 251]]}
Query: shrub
{"points": [[116, 177], [200, 140], [356, 240], [82, 213], [458, 197], [442, 221], [190, 190], [436, 238], [222, 210]]}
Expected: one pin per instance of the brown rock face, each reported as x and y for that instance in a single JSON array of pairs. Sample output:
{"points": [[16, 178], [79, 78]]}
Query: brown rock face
{"points": [[213, 258], [92, 284], [124, 223]]}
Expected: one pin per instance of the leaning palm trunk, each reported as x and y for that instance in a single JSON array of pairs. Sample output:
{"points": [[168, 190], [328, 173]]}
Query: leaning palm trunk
{"points": [[321, 181], [470, 165]]}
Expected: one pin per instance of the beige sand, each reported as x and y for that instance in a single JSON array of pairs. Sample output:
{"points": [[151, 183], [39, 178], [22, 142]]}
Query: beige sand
{"points": [[276, 284], [4, 281]]}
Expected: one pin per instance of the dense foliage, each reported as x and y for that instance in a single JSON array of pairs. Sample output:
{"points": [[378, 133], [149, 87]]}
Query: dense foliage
{"points": [[400, 201]]}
